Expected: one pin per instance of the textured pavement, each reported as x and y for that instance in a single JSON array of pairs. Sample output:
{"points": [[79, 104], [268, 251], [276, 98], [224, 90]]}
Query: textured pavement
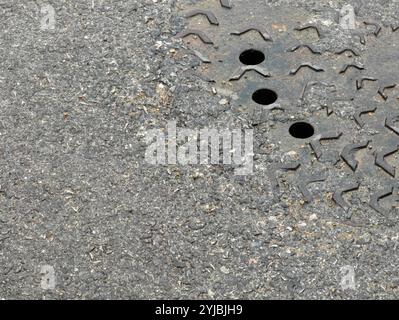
{"points": [[82, 216]]}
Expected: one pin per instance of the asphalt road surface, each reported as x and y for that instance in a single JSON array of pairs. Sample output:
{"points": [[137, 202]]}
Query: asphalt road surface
{"points": [[84, 216]]}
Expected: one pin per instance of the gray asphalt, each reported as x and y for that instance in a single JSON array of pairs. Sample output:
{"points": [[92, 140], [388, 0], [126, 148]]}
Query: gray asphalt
{"points": [[78, 201]]}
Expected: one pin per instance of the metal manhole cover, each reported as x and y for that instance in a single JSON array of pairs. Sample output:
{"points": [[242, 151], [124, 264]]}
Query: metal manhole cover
{"points": [[321, 91]]}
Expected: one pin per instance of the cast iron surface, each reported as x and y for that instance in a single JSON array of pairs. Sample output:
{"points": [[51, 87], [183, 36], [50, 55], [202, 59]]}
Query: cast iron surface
{"points": [[355, 142]]}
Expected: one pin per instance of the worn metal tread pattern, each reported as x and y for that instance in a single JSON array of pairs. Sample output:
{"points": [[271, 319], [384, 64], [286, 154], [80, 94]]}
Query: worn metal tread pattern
{"points": [[358, 129]]}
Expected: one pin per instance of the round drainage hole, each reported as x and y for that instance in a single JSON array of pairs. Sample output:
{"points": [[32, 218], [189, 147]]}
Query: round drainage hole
{"points": [[301, 130], [264, 97], [252, 57]]}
